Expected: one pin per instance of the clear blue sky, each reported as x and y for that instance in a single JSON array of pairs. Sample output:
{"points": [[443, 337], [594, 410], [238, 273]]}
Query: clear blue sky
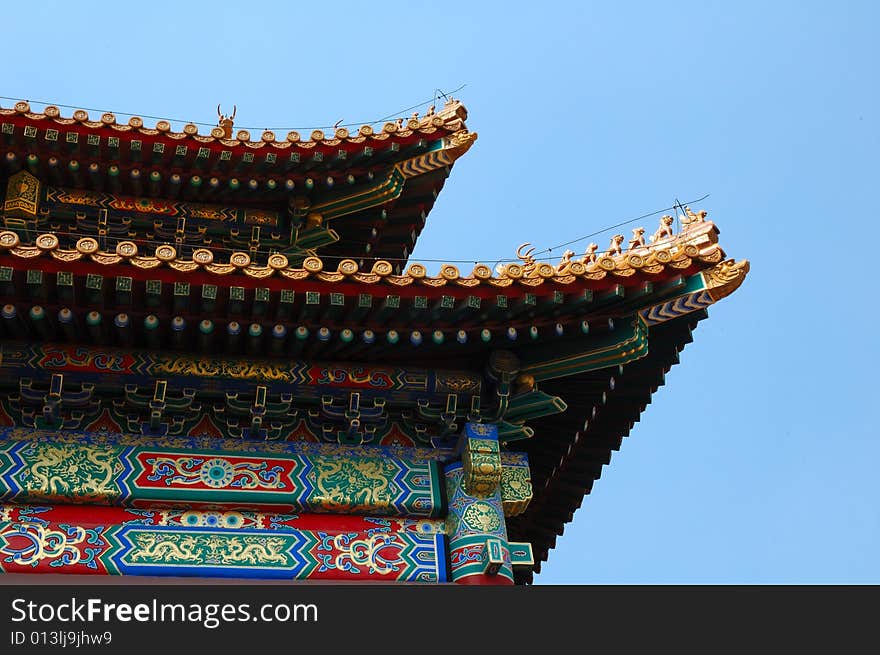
{"points": [[757, 463]]}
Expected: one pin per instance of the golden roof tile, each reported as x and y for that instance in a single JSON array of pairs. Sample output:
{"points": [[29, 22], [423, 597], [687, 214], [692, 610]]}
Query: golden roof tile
{"points": [[450, 118], [696, 246]]}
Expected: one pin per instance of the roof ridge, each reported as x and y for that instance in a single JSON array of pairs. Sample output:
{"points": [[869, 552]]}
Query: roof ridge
{"points": [[451, 117]]}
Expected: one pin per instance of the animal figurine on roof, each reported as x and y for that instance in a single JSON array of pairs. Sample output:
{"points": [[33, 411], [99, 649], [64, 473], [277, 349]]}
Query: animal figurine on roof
{"points": [[225, 122], [664, 230], [692, 218], [528, 262], [615, 247], [638, 238], [564, 263], [590, 254]]}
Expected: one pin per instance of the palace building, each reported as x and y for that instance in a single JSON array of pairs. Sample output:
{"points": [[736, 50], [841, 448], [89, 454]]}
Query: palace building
{"points": [[216, 358]]}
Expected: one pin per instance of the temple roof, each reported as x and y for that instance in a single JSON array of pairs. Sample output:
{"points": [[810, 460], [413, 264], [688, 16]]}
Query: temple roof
{"points": [[369, 190], [586, 340], [522, 304]]}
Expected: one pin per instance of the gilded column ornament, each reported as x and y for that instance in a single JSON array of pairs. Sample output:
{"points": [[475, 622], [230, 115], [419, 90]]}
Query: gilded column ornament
{"points": [[478, 549], [516, 488], [481, 493], [481, 459]]}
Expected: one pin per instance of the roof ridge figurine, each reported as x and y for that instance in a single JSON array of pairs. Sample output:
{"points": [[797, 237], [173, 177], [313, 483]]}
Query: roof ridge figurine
{"points": [[226, 122]]}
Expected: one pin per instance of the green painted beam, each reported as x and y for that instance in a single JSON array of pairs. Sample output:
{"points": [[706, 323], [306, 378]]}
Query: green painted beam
{"points": [[509, 432], [532, 405], [548, 359], [315, 237], [94, 322]]}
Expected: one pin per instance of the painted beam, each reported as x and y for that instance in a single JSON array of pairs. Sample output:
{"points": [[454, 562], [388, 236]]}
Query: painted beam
{"points": [[45, 466], [588, 352], [308, 380], [219, 543]]}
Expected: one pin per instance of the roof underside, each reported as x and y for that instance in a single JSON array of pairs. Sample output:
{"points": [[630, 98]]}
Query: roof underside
{"points": [[569, 449]]}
